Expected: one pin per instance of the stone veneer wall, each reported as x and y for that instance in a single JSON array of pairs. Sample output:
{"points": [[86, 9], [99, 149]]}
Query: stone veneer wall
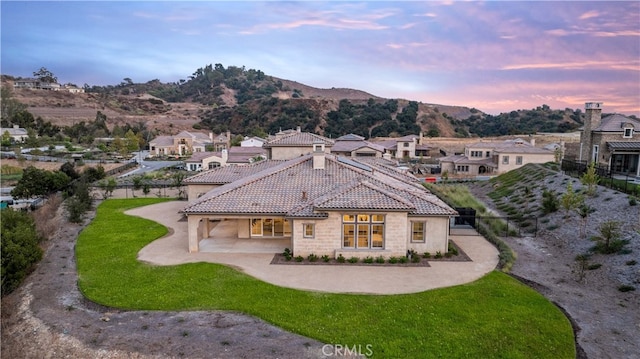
{"points": [[328, 238]]}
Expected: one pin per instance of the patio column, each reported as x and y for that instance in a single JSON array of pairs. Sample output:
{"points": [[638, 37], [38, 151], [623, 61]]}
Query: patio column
{"points": [[194, 233]]}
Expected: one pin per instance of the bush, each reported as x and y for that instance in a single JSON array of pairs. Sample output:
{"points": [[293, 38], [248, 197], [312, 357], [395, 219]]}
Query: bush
{"points": [[438, 255], [626, 288], [631, 262], [368, 260], [20, 250], [426, 255], [341, 258], [415, 259], [299, 258], [632, 201], [325, 258], [594, 266], [393, 260], [354, 260], [380, 259], [550, 202], [403, 259], [312, 258]]}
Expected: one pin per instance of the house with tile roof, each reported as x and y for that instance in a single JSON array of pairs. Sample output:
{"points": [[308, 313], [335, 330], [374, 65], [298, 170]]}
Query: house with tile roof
{"points": [[406, 147], [495, 157], [294, 143], [611, 141], [179, 145], [234, 156], [322, 204], [352, 145]]}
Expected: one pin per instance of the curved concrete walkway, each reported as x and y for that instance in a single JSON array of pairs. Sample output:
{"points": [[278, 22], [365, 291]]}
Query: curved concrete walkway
{"points": [[173, 249]]}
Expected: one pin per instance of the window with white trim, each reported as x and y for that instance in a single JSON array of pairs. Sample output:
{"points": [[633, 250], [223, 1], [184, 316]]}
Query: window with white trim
{"points": [[628, 133], [363, 231], [308, 230], [418, 231]]}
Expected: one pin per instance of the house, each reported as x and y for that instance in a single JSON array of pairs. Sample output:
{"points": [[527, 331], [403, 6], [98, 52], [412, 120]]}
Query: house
{"points": [[252, 142], [294, 143], [355, 146], [234, 156], [495, 157], [407, 147], [324, 205], [179, 145], [611, 141], [30, 83], [18, 134]]}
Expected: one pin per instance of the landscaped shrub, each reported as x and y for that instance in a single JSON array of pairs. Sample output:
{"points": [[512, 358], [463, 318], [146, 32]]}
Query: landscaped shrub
{"points": [[368, 260], [626, 288], [631, 262], [403, 259], [550, 202], [325, 258], [312, 258], [341, 258], [393, 260], [354, 260], [438, 255], [299, 258], [287, 254], [426, 255], [380, 259], [415, 259], [632, 201], [594, 266]]}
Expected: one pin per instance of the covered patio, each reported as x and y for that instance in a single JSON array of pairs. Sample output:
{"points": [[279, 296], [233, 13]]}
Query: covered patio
{"points": [[223, 238]]}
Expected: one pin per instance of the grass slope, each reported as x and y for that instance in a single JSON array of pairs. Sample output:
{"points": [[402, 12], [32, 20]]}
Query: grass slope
{"points": [[494, 317]]}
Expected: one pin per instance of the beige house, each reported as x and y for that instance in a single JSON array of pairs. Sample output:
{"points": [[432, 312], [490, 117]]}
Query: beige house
{"points": [[355, 146], [234, 156], [322, 204], [611, 141], [18, 134], [181, 144], [294, 143], [495, 157], [407, 147]]}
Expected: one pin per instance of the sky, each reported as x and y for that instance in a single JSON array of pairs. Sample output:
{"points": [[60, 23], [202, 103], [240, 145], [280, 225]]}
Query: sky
{"points": [[496, 56]]}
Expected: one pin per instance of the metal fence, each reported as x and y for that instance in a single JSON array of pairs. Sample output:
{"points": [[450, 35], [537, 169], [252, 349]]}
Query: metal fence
{"points": [[623, 182], [502, 226]]}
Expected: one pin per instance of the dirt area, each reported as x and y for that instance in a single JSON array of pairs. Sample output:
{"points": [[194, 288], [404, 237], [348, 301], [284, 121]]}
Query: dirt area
{"points": [[53, 166], [49, 318], [608, 320]]}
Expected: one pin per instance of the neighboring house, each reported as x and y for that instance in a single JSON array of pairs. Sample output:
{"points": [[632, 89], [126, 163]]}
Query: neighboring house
{"points": [[36, 84], [179, 145], [407, 147], [495, 157], [253, 142], [294, 143], [71, 88], [355, 146], [612, 141], [326, 205], [221, 142], [234, 156], [18, 134]]}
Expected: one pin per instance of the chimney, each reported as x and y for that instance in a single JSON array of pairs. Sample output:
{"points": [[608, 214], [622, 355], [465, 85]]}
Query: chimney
{"points": [[298, 129], [593, 114], [318, 156], [533, 142], [211, 136], [225, 156]]}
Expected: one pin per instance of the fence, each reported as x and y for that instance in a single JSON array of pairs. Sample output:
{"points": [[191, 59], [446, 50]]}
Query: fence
{"points": [[503, 226], [623, 182]]}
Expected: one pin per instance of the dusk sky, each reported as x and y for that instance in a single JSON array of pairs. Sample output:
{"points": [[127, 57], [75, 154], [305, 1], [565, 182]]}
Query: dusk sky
{"points": [[496, 56]]}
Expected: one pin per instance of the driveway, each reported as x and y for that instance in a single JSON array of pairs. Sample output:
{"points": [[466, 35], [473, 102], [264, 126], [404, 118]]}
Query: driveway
{"points": [[173, 249]]}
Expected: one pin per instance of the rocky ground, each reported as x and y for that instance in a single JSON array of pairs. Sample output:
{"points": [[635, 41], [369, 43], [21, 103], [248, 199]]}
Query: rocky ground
{"points": [[607, 320], [49, 318]]}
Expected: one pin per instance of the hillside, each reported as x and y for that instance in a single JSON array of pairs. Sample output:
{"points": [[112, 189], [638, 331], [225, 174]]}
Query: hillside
{"points": [[248, 102]]}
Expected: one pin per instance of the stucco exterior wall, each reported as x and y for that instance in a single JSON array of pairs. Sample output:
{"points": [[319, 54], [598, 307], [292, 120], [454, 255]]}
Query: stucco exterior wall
{"points": [[196, 190], [244, 228], [287, 153], [526, 158], [437, 235]]}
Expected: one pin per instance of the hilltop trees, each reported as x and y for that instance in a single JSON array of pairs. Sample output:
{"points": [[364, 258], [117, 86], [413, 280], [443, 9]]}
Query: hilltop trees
{"points": [[45, 75]]}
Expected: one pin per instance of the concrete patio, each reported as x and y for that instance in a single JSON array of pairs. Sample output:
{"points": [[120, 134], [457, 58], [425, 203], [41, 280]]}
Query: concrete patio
{"points": [[253, 257]]}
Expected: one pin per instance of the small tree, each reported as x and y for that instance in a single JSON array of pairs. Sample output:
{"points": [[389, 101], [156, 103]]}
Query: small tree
{"points": [[590, 179], [549, 202], [108, 186], [609, 234], [177, 180], [570, 200], [584, 211]]}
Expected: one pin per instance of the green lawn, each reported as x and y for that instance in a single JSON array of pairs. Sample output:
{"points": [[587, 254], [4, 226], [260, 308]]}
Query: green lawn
{"points": [[494, 317]]}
